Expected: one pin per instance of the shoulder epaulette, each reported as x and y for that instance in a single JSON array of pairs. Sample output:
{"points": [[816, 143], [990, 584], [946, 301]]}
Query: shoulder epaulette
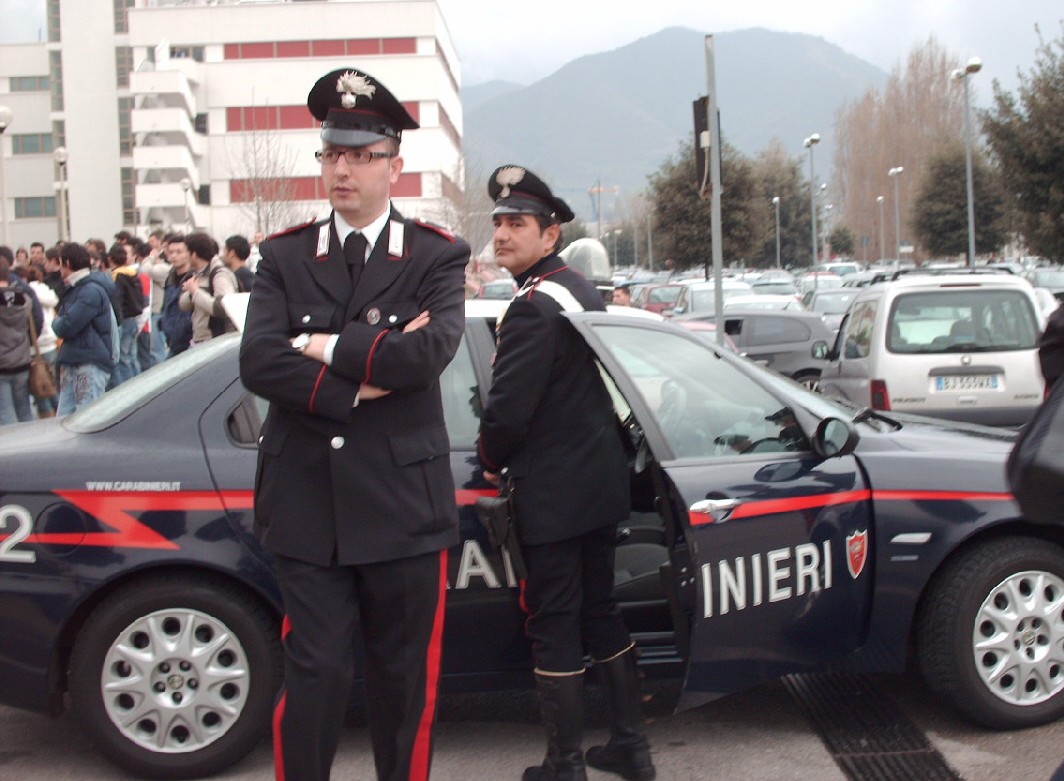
{"points": [[293, 229], [437, 229]]}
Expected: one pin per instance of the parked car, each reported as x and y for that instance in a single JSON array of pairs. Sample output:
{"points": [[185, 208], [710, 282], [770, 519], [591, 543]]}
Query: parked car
{"points": [[497, 289], [774, 531], [795, 344], [1052, 279], [956, 346], [700, 297], [784, 303], [657, 297], [816, 280], [830, 304]]}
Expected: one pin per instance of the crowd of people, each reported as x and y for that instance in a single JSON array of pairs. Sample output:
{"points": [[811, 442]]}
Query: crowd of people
{"points": [[99, 315]]}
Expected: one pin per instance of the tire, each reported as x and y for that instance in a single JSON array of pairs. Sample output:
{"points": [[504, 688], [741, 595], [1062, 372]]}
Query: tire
{"points": [[991, 635], [811, 380], [176, 677]]}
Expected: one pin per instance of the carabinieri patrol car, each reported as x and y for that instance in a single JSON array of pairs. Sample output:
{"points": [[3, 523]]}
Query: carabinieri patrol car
{"points": [[775, 531]]}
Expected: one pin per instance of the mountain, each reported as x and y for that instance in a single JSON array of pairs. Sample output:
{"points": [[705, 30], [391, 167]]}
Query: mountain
{"points": [[614, 117], [476, 95]]}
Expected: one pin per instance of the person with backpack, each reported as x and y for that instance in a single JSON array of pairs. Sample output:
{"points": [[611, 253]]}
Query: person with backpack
{"points": [[202, 293], [129, 303], [176, 324], [86, 324]]}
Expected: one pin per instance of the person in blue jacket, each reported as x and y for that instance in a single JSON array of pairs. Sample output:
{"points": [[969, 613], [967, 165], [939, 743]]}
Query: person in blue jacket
{"points": [[84, 323]]}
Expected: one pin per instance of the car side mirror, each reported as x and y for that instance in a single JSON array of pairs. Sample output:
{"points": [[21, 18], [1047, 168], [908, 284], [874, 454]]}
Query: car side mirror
{"points": [[834, 437], [820, 350], [677, 310], [668, 312]]}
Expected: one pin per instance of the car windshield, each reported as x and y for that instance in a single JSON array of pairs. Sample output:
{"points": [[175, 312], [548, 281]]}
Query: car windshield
{"points": [[704, 405], [664, 295], [119, 402], [962, 320], [774, 288], [832, 304]]}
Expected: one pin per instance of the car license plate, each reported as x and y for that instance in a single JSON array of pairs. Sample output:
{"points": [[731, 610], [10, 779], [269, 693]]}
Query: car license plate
{"points": [[968, 382]]}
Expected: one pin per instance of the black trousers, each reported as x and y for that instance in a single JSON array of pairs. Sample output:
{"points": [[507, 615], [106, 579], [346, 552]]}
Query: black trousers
{"points": [[570, 602], [398, 606]]}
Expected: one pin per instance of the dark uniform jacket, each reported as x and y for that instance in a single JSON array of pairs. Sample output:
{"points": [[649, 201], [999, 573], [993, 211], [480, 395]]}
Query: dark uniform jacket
{"points": [[549, 419], [335, 482]]}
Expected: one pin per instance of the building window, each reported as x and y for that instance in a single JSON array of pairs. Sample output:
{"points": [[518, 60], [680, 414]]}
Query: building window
{"points": [[123, 64], [122, 15], [125, 132], [31, 208], [53, 21], [129, 213], [59, 133], [31, 144], [55, 79], [29, 83]]}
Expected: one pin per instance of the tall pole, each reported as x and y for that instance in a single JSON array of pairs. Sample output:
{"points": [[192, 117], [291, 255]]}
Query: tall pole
{"points": [[713, 117], [776, 203], [894, 173], [974, 66], [650, 245], [6, 116], [882, 229], [61, 156], [809, 143]]}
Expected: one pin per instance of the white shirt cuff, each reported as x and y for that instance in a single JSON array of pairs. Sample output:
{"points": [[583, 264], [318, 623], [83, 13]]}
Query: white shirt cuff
{"points": [[327, 354]]}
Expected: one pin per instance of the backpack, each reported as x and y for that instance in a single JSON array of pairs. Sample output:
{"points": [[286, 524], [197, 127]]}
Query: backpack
{"points": [[115, 338], [220, 325]]}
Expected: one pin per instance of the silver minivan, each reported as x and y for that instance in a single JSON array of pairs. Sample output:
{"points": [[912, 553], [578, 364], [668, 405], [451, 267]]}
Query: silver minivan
{"points": [[957, 346]]}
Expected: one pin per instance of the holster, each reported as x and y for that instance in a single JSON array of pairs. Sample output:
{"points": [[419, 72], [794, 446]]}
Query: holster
{"points": [[496, 514]]}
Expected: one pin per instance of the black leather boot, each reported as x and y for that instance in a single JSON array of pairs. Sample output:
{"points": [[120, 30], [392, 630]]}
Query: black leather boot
{"points": [[561, 704], [628, 752]]}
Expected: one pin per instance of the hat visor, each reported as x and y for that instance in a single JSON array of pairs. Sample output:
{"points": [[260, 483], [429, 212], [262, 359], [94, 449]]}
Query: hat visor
{"points": [[342, 136]]}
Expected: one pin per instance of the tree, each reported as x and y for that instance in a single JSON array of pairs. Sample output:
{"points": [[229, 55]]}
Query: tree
{"points": [[682, 228], [941, 206], [919, 111], [1025, 138], [842, 241], [264, 178], [780, 176]]}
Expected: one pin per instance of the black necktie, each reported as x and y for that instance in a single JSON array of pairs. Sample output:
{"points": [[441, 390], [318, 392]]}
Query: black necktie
{"points": [[355, 253]]}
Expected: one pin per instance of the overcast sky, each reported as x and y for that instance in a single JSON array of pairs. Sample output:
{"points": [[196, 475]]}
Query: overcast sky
{"points": [[525, 42]]}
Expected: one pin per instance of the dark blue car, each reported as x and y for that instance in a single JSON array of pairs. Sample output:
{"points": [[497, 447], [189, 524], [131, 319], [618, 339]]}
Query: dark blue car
{"points": [[774, 532]]}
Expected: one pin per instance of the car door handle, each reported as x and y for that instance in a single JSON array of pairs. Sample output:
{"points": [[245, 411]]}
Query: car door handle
{"points": [[711, 506]]}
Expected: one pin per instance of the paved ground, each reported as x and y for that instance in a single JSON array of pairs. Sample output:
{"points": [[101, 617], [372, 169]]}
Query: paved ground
{"points": [[761, 734]]}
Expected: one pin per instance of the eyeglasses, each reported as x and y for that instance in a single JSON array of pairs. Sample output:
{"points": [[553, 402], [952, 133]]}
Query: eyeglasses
{"points": [[351, 156]]}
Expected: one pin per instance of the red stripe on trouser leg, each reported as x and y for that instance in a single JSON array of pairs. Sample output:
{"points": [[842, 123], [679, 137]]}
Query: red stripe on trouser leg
{"points": [[421, 758], [278, 742]]}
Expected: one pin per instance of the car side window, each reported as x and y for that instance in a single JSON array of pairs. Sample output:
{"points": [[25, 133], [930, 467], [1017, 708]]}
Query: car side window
{"points": [[857, 342], [777, 330], [704, 405]]}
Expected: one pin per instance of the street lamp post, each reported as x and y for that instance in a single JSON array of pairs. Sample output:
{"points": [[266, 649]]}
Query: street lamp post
{"points": [[894, 173], [974, 66], [61, 156], [776, 203], [186, 185], [882, 229], [6, 115], [809, 143]]}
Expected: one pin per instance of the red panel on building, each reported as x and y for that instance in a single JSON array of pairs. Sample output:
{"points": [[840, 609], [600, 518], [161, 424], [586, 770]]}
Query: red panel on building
{"points": [[327, 48], [257, 50], [400, 45], [233, 119], [232, 51], [364, 46], [293, 48], [408, 186], [296, 118]]}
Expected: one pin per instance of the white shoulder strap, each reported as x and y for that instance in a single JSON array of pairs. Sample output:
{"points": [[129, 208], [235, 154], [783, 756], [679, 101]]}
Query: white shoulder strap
{"points": [[566, 300]]}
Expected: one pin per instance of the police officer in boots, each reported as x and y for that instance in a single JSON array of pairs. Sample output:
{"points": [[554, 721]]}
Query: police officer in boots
{"points": [[550, 425], [351, 321]]}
